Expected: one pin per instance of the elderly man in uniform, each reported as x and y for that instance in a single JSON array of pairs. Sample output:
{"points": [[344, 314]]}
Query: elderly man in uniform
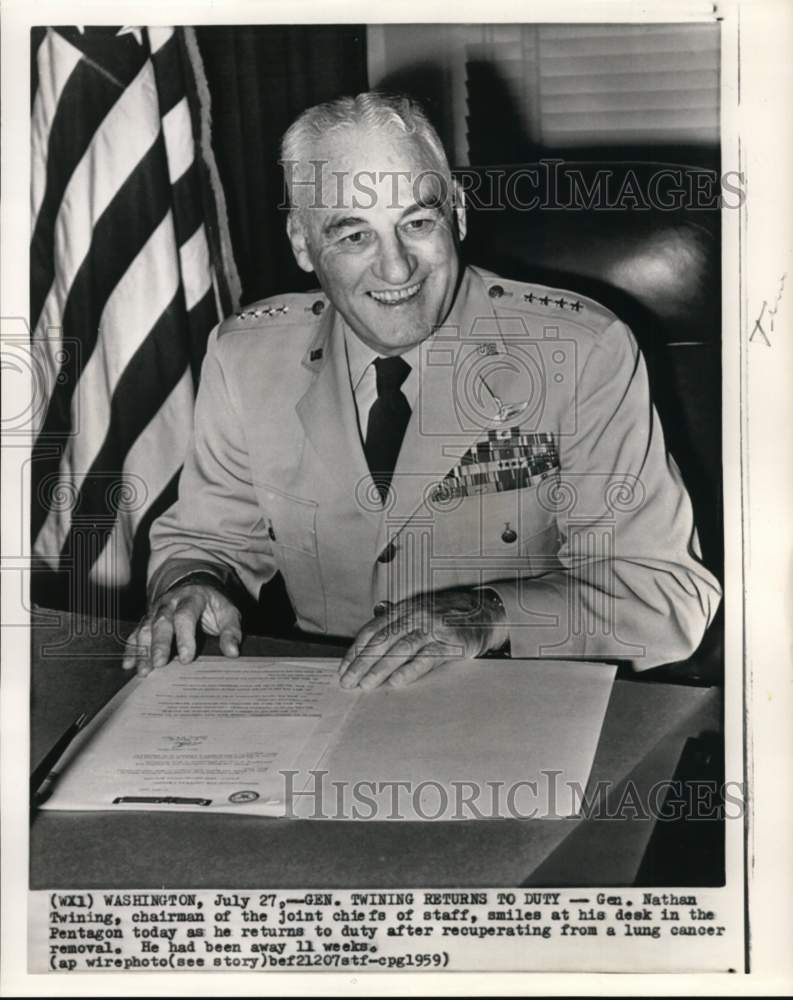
{"points": [[440, 462]]}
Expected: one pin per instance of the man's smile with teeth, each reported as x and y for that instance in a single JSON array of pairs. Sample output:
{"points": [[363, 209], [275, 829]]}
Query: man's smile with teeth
{"points": [[388, 297]]}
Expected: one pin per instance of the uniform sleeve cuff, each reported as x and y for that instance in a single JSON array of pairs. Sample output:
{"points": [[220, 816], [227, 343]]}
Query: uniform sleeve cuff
{"points": [[537, 620], [177, 571]]}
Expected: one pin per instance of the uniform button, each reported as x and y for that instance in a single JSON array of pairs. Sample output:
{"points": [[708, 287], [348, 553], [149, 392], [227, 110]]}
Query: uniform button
{"points": [[508, 535], [388, 553], [495, 291], [318, 307], [381, 608]]}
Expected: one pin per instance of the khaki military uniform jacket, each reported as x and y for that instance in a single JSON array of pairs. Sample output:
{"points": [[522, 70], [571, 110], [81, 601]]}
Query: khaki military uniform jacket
{"points": [[533, 463]]}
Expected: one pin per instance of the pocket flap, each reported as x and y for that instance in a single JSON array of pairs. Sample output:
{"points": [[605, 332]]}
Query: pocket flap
{"points": [[292, 520]]}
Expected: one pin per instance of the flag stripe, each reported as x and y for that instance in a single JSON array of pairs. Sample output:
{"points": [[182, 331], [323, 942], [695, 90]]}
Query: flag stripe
{"points": [[55, 74], [136, 211], [139, 556], [144, 292], [158, 36], [90, 190], [56, 71], [186, 197], [168, 73], [194, 259], [79, 107], [178, 139], [37, 36], [162, 352], [164, 435]]}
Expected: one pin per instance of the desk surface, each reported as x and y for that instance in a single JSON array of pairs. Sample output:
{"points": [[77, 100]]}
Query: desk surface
{"points": [[76, 668]]}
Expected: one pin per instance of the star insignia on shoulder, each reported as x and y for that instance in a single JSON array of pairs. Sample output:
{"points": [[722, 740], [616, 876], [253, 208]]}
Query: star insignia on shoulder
{"points": [[261, 311], [545, 300]]}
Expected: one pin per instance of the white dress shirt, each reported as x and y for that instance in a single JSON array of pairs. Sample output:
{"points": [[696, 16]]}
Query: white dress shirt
{"points": [[363, 376]]}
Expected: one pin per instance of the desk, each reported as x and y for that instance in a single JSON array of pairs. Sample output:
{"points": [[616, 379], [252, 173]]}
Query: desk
{"points": [[76, 667]]}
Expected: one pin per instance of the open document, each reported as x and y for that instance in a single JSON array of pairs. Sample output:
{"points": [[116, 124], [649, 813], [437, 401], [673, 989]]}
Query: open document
{"points": [[474, 739]]}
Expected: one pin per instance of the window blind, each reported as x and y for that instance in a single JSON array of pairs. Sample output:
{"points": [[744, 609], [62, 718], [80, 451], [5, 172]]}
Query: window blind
{"points": [[583, 85]]}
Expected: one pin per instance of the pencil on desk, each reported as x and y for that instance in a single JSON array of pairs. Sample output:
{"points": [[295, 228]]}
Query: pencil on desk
{"points": [[51, 758]]}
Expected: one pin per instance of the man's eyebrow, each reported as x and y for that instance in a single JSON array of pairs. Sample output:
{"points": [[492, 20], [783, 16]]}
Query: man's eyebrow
{"points": [[423, 205], [335, 223]]}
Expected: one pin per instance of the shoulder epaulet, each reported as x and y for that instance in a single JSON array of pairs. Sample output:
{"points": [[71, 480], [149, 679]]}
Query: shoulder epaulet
{"points": [[303, 309], [549, 303]]}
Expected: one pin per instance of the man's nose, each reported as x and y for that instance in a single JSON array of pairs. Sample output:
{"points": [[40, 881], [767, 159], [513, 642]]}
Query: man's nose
{"points": [[394, 264]]}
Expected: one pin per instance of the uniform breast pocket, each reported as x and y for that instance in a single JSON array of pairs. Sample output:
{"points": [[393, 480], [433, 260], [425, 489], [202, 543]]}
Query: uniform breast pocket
{"points": [[291, 521], [292, 527], [510, 520], [490, 524]]}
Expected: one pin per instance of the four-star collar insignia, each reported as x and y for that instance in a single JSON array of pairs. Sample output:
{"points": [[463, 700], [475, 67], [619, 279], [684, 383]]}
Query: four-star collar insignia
{"points": [[290, 310], [272, 310], [259, 311]]}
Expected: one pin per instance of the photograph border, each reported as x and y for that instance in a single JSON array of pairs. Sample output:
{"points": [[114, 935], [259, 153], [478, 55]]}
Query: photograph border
{"points": [[750, 602]]}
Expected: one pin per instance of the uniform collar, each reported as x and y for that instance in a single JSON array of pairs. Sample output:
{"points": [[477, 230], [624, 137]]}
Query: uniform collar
{"points": [[473, 302], [360, 356]]}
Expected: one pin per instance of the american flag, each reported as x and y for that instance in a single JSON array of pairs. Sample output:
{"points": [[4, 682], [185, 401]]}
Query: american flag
{"points": [[121, 293]]}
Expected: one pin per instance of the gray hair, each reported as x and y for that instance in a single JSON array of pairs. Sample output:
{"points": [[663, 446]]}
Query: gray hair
{"points": [[371, 110]]}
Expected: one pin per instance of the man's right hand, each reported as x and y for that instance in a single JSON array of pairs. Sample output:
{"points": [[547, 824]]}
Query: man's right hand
{"points": [[176, 616]]}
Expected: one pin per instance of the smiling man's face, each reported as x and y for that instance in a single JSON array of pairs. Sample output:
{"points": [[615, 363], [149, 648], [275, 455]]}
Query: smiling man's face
{"points": [[384, 241]]}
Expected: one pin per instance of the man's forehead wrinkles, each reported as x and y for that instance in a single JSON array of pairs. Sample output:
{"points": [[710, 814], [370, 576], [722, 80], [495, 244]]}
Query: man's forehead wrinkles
{"points": [[434, 203], [401, 165]]}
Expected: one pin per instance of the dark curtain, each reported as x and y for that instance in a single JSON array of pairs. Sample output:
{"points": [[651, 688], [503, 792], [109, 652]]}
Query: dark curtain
{"points": [[260, 79]]}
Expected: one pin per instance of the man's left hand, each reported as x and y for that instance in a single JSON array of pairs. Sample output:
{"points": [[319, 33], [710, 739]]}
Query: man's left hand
{"points": [[414, 636]]}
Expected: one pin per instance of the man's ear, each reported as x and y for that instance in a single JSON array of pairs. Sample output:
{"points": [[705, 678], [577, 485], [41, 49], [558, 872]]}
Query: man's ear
{"points": [[296, 232], [458, 201]]}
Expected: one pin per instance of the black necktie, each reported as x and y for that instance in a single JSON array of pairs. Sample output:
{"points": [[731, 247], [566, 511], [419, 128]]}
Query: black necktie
{"points": [[388, 419]]}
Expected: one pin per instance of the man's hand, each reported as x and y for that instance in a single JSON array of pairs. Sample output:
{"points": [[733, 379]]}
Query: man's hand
{"points": [[414, 636], [177, 615]]}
